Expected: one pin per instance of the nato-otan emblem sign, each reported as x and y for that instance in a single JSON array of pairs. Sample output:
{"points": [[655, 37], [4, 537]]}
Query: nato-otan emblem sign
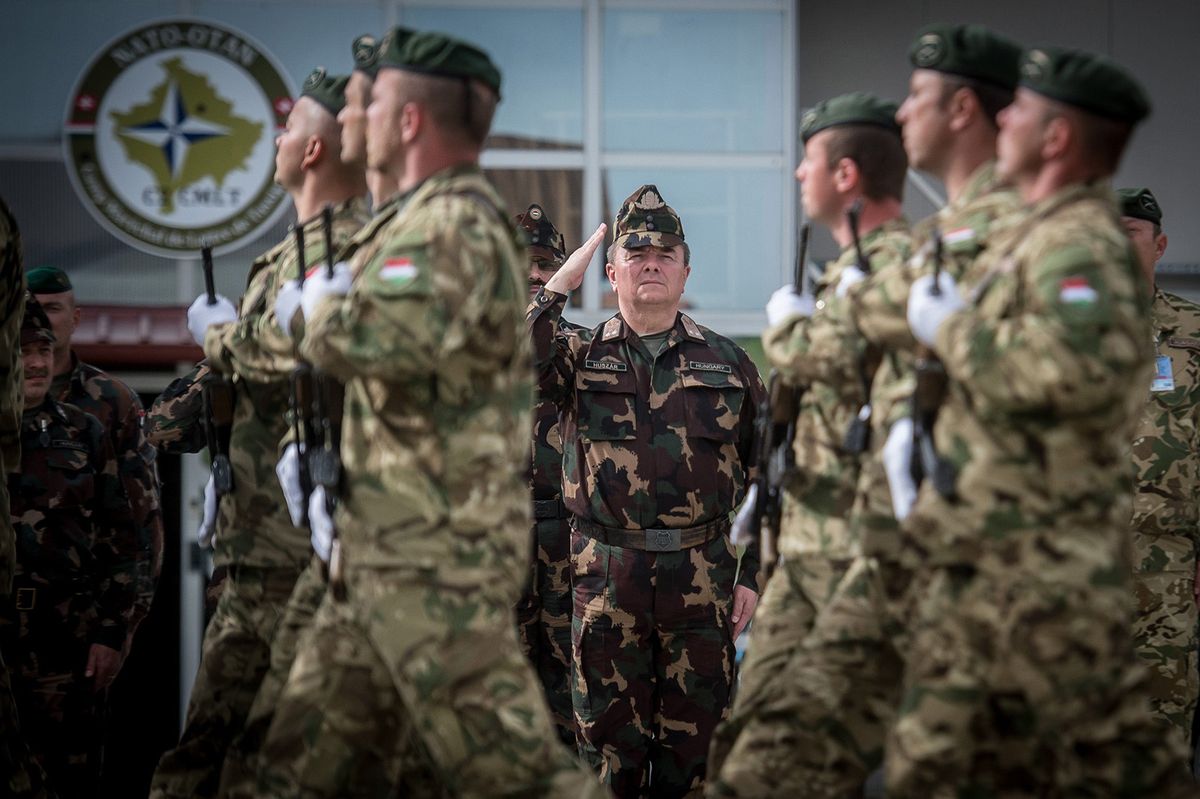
{"points": [[170, 137]]}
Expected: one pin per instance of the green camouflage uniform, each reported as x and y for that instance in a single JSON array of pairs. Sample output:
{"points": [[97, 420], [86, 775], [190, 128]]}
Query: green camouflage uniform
{"points": [[1166, 454], [175, 421], [75, 586], [419, 660], [255, 537], [823, 726], [1021, 676]]}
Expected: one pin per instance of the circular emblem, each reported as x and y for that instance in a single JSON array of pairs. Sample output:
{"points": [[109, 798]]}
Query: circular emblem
{"points": [[809, 119], [535, 213], [1148, 204], [930, 50], [169, 137], [1035, 66], [314, 79], [364, 50]]}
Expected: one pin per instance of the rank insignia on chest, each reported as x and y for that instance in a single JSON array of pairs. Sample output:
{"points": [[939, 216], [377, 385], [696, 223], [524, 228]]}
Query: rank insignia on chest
{"points": [[701, 366], [606, 366], [1183, 341]]}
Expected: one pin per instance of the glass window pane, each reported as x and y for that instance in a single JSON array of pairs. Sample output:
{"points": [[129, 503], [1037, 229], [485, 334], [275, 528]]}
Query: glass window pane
{"points": [[540, 55], [693, 81], [732, 223]]}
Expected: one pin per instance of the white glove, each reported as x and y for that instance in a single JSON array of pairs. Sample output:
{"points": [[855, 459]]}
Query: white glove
{"points": [[320, 524], [319, 285], [851, 276], [288, 472], [287, 302], [926, 311], [201, 315], [785, 302], [897, 462], [745, 513], [207, 531]]}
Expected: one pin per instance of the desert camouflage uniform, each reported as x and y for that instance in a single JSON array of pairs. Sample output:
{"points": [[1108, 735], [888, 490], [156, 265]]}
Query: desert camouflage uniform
{"points": [[175, 421], [75, 585], [1166, 517], [418, 661], [650, 442], [255, 538], [823, 725], [1021, 676]]}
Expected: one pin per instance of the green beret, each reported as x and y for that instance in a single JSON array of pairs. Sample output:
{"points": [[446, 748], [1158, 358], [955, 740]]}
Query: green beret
{"points": [[1140, 204], [328, 90], [856, 108], [47, 280], [437, 54], [970, 51], [366, 54], [646, 220], [35, 325], [542, 239], [1085, 80]]}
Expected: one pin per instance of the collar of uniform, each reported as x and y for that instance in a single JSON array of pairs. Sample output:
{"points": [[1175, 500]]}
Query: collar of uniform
{"points": [[316, 221], [982, 181], [459, 177], [77, 377], [616, 328], [1164, 314], [48, 407], [1074, 192]]}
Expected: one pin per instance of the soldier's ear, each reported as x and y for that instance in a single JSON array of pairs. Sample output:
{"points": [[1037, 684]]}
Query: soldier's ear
{"points": [[846, 175], [314, 148], [412, 121], [1160, 246]]}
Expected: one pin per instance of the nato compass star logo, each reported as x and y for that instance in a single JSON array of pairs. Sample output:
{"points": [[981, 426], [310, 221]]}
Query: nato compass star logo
{"points": [[175, 130]]}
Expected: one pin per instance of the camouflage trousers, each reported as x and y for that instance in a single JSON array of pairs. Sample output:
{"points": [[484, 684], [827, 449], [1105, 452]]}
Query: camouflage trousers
{"points": [[544, 622], [653, 661], [238, 773], [23, 777], [1165, 634], [412, 685], [233, 661]]}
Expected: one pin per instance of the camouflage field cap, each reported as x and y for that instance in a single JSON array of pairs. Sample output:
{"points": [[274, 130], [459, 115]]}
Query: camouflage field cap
{"points": [[646, 220], [47, 280], [970, 51], [543, 241], [1085, 80], [1140, 204], [35, 325], [328, 90], [365, 51], [431, 53], [856, 108]]}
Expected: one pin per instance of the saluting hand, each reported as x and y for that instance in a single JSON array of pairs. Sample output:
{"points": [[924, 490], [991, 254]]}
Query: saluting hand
{"points": [[570, 275]]}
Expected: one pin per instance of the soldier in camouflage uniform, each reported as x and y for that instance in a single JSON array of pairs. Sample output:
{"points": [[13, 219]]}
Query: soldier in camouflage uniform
{"points": [[544, 612], [657, 419], [852, 153], [412, 663], [75, 581], [120, 412], [1166, 454], [1021, 676], [255, 537]]}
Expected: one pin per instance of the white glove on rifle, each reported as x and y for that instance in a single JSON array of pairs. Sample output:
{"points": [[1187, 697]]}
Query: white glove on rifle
{"points": [[897, 462], [927, 311], [201, 315], [851, 276], [318, 286], [741, 522], [320, 524], [207, 531], [785, 302], [288, 472], [287, 302]]}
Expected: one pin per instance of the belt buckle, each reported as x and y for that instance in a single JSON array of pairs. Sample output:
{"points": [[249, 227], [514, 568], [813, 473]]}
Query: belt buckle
{"points": [[26, 598], [663, 540]]}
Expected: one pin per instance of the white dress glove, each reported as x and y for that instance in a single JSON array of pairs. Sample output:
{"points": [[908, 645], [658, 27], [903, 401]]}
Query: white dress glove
{"points": [[320, 524], [897, 462], [288, 472], [201, 315], [741, 522], [319, 285], [287, 302], [851, 276], [207, 532], [926, 311], [785, 302]]}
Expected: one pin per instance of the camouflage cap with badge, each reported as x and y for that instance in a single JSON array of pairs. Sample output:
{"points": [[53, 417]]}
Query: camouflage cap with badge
{"points": [[35, 325], [47, 280], [1085, 80], [969, 51], [1140, 204], [365, 51], [645, 220], [328, 90], [430, 53], [855, 108], [543, 241]]}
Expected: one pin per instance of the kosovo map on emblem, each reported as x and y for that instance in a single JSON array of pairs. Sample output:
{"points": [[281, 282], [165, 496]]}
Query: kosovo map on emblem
{"points": [[169, 137]]}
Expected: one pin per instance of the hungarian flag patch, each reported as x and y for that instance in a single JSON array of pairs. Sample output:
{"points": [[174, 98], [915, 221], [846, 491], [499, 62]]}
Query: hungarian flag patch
{"points": [[398, 270], [1076, 291]]}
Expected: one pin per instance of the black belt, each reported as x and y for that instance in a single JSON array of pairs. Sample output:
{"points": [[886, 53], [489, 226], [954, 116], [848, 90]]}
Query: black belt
{"points": [[549, 509], [654, 539]]}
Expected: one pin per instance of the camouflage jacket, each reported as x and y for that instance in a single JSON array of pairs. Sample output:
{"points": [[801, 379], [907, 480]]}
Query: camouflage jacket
{"points": [[1048, 367], [545, 476], [76, 534], [175, 422], [823, 353], [649, 442], [12, 303], [120, 413], [435, 436], [254, 528], [1166, 447]]}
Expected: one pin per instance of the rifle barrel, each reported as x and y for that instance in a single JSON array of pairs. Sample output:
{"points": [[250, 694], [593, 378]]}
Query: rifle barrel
{"points": [[327, 226], [210, 288], [302, 263], [935, 289], [801, 259]]}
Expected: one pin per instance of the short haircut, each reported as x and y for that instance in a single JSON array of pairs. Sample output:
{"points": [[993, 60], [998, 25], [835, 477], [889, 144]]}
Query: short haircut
{"points": [[879, 154], [460, 108], [992, 98], [1102, 140]]}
